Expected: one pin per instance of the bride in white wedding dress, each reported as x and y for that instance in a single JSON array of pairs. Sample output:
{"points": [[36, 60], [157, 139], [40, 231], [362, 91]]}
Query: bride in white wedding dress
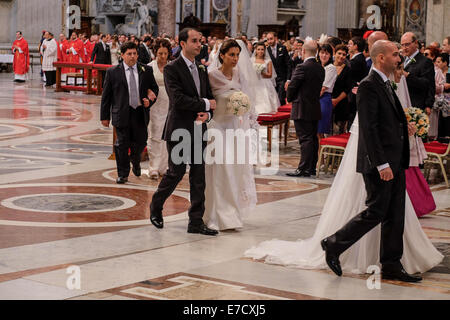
{"points": [[346, 199], [230, 193], [268, 100]]}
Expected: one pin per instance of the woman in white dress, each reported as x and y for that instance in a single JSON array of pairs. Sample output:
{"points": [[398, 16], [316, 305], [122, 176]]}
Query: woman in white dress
{"points": [[230, 187], [114, 49], [267, 96], [156, 147], [346, 199]]}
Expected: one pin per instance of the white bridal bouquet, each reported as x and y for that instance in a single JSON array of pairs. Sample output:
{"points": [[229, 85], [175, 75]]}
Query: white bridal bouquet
{"points": [[238, 104], [259, 68]]}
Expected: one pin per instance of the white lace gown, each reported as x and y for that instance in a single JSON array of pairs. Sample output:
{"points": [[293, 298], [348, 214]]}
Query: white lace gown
{"points": [[156, 147], [268, 100], [230, 188], [347, 199]]}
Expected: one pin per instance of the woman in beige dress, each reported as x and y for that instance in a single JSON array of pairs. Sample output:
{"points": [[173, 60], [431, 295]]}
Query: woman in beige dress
{"points": [[157, 151]]}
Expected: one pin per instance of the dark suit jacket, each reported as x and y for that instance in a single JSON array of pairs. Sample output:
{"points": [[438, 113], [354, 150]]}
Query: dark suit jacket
{"points": [[203, 54], [292, 65], [358, 69], [99, 55], [144, 56], [116, 99], [383, 130], [280, 62], [421, 83], [304, 91], [184, 100]]}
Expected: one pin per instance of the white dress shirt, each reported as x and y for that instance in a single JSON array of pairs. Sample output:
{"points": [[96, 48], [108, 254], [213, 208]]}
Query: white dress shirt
{"points": [[136, 75], [408, 59], [189, 63]]}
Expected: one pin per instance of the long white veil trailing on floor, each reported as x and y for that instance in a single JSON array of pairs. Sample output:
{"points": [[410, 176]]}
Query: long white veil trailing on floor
{"points": [[345, 200]]}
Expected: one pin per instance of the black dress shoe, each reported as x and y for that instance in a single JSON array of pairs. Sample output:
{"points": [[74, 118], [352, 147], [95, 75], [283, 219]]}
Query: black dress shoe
{"points": [[299, 173], [202, 229], [399, 274], [137, 170], [331, 258], [157, 220], [122, 180]]}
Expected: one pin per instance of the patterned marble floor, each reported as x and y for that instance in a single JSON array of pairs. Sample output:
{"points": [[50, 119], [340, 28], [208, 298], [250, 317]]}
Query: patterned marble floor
{"points": [[68, 231]]}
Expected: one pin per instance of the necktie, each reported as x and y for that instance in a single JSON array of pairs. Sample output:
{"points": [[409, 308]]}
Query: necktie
{"points": [[194, 72], [134, 100], [390, 90]]}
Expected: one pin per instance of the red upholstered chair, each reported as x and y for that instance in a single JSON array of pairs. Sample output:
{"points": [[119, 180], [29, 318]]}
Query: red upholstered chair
{"points": [[333, 147], [438, 152], [273, 119]]}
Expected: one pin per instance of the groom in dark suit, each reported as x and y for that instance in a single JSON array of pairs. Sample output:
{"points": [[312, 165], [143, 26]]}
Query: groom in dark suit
{"points": [[190, 105], [304, 93], [280, 60], [383, 156], [129, 90]]}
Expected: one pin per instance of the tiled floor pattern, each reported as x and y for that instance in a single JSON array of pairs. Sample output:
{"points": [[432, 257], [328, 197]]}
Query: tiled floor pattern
{"points": [[61, 213]]}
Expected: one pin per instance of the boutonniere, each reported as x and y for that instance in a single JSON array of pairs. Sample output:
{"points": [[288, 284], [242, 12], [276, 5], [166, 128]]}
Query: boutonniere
{"points": [[142, 68], [202, 67], [413, 60], [281, 49], [394, 85]]}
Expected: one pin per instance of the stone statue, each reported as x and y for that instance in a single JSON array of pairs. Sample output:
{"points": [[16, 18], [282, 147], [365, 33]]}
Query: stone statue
{"points": [[144, 17], [141, 22]]}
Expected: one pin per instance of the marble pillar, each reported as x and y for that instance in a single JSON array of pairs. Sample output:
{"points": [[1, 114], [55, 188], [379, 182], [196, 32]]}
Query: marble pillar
{"points": [[167, 17], [438, 17], [33, 16], [7, 32], [261, 12]]}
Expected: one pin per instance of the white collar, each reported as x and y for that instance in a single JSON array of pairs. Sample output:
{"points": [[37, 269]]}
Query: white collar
{"points": [[309, 58], [188, 62], [382, 75], [127, 67], [356, 55], [414, 55]]}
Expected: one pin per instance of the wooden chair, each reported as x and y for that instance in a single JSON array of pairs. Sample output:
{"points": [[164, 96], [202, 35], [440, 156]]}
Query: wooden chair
{"points": [[333, 147], [437, 153]]}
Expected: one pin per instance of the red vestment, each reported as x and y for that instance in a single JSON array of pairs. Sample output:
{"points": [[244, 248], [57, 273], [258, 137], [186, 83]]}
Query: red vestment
{"points": [[78, 55], [62, 55], [21, 63]]}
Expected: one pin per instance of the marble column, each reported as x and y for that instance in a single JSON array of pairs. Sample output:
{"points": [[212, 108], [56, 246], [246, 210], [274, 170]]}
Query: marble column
{"points": [[7, 32], [166, 17], [33, 16], [438, 17]]}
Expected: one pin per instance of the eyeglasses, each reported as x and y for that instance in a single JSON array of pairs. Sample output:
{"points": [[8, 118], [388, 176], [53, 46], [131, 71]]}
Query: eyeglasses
{"points": [[404, 45]]}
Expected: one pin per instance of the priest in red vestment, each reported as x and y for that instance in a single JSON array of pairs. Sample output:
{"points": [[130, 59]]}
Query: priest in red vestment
{"points": [[21, 63], [63, 46], [75, 51]]}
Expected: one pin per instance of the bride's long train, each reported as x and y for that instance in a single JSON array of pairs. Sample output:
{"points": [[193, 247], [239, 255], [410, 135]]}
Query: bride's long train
{"points": [[346, 199]]}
